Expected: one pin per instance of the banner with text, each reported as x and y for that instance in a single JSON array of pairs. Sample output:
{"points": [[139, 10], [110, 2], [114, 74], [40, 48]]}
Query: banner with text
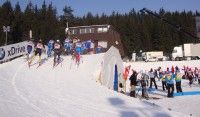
{"points": [[13, 50]]}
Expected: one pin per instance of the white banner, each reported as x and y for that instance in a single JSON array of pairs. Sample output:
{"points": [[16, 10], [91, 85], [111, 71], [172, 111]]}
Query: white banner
{"points": [[198, 26], [13, 50]]}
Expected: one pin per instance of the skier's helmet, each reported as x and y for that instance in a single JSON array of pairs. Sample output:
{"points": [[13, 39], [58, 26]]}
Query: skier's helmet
{"points": [[58, 40]]}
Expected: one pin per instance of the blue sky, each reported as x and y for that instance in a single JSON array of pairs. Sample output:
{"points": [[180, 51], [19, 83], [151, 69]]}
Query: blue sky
{"points": [[81, 7]]}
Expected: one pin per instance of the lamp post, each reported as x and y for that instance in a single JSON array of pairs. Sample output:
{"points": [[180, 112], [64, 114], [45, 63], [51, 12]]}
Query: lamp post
{"points": [[66, 29], [6, 29]]}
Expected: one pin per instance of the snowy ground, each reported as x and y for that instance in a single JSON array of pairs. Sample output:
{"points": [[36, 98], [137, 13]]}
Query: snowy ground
{"points": [[70, 91], [187, 104]]}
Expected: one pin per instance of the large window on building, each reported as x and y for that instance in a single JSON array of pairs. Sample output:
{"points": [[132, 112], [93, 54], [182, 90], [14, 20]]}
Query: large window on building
{"points": [[91, 30], [86, 30], [82, 31], [74, 31], [102, 30]]}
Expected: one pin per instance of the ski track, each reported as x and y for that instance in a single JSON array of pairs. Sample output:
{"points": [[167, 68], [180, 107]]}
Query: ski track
{"points": [[20, 95]]}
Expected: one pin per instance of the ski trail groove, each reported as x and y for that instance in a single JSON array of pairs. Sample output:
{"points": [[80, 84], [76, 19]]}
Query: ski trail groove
{"points": [[23, 97]]}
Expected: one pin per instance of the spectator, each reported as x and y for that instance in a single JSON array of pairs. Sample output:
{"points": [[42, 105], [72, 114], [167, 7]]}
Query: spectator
{"points": [[152, 78], [190, 76], [133, 83], [178, 77], [170, 84], [163, 81]]}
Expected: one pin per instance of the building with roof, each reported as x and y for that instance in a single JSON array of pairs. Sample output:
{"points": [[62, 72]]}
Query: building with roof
{"points": [[102, 35]]}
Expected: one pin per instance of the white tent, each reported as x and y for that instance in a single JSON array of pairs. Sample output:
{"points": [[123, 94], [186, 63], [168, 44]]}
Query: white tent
{"points": [[112, 59]]}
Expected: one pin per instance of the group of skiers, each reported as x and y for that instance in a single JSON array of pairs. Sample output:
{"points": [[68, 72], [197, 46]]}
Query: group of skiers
{"points": [[70, 47], [168, 77]]}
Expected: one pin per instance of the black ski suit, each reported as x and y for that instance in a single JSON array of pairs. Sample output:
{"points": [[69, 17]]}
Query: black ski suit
{"points": [[57, 51], [133, 83]]}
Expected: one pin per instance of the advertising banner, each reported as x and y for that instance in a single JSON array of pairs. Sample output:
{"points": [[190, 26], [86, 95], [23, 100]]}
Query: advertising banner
{"points": [[13, 50]]}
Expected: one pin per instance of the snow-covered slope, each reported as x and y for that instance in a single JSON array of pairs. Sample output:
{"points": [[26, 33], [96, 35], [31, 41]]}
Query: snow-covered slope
{"points": [[66, 91]]}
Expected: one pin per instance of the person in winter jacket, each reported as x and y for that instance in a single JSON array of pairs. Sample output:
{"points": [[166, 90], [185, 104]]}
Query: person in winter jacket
{"points": [[30, 47], [125, 75], [144, 80], [190, 76], [196, 73], [172, 69], [178, 77], [78, 52], [199, 76], [133, 83], [160, 74], [126, 72], [164, 86], [170, 84], [152, 78], [38, 51], [57, 51], [176, 68], [50, 47], [67, 46]]}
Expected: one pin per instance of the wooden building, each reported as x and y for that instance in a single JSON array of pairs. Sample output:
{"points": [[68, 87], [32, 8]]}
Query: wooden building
{"points": [[101, 35]]}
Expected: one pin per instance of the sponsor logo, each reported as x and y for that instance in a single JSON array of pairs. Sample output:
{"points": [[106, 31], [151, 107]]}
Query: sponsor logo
{"points": [[2, 53], [16, 50]]}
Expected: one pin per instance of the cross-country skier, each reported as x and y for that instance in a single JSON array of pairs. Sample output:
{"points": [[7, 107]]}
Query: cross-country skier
{"points": [[68, 46], [57, 51], [78, 52], [88, 45], [38, 51], [30, 46], [50, 47]]}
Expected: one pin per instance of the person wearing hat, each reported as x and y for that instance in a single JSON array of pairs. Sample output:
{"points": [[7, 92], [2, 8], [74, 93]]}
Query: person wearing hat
{"points": [[38, 51], [57, 51]]}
